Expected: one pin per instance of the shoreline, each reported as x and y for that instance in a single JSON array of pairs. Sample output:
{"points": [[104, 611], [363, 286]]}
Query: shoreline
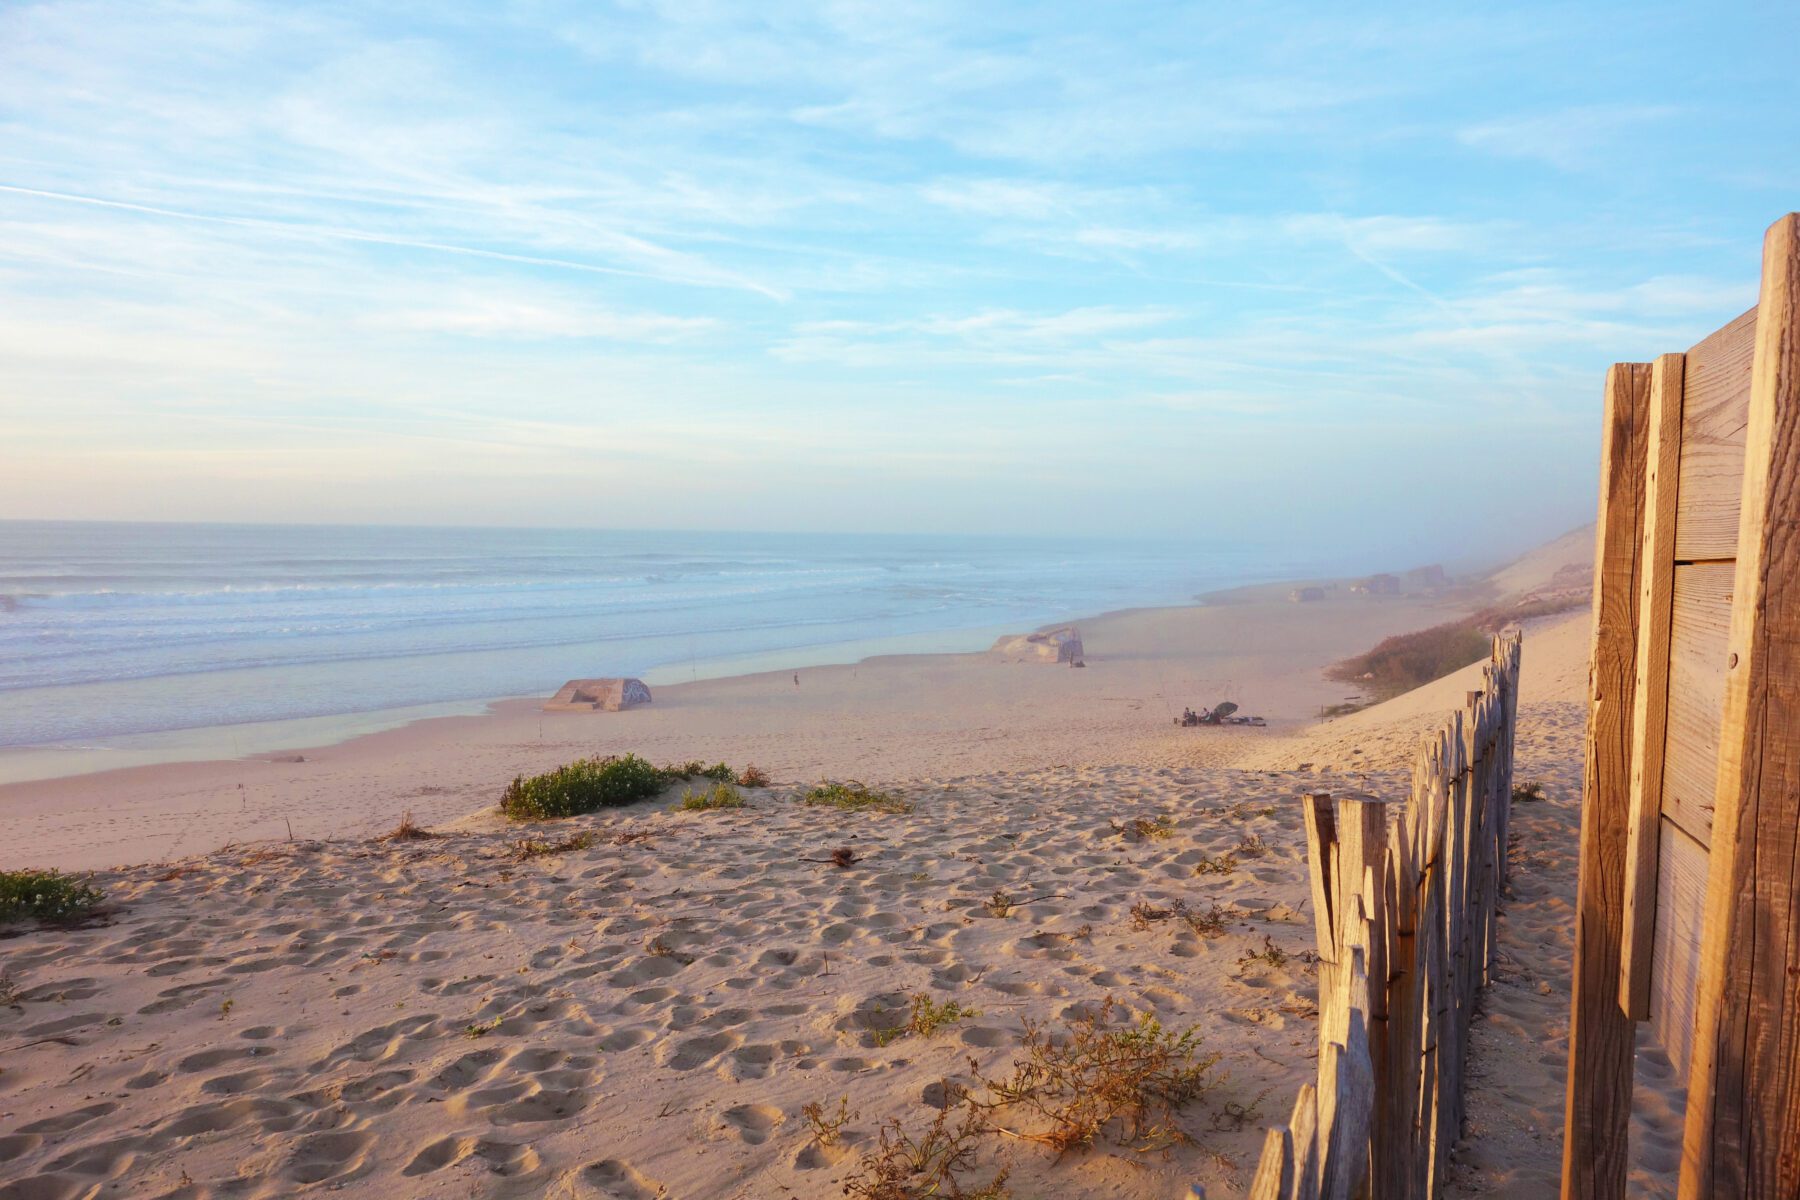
{"points": [[295, 735], [884, 717]]}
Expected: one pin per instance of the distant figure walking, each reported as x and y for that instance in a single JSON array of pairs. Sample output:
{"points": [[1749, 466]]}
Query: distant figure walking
{"points": [[796, 681]]}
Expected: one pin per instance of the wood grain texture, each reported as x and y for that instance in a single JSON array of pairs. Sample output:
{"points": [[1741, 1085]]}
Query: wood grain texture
{"points": [[1680, 913], [1698, 649], [1649, 710], [1598, 1105], [1275, 1170], [1742, 1134], [1714, 418]]}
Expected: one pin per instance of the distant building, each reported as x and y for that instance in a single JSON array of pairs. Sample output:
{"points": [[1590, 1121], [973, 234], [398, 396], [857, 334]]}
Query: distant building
{"points": [[1382, 585], [1427, 577], [1306, 595]]}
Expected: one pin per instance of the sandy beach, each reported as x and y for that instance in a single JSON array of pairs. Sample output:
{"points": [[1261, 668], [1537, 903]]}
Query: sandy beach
{"points": [[649, 1011], [904, 717]]}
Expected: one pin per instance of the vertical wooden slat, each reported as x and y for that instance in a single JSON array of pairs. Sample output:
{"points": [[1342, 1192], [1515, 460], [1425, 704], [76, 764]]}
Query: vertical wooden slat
{"points": [[1742, 1133], [1650, 707], [1305, 1126], [1275, 1170], [1598, 1106]]}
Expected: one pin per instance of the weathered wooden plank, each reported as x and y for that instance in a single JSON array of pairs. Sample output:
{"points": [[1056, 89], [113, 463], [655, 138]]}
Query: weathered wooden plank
{"points": [[1649, 711], [1303, 1125], [1598, 1106], [1354, 1103], [1680, 908], [1742, 1134], [1275, 1171], [1715, 412], [1321, 851], [1697, 652]]}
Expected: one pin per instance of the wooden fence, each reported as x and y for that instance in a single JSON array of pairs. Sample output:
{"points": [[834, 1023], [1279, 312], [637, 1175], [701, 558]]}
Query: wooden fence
{"points": [[1405, 900], [1688, 916]]}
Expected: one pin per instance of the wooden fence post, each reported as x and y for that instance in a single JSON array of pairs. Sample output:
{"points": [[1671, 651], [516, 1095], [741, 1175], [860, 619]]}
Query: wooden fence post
{"points": [[1598, 1109], [1742, 1134]]}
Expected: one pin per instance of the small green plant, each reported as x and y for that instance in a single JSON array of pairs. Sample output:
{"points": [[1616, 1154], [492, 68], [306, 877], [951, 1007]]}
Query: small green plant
{"points": [[855, 797], [581, 787], [45, 896], [225, 1009], [828, 1127], [1270, 953], [682, 772], [480, 1029], [935, 1165], [10, 992], [1001, 903], [926, 1018], [1223, 864], [1095, 1080], [526, 849], [719, 795], [753, 776], [1527, 793]]}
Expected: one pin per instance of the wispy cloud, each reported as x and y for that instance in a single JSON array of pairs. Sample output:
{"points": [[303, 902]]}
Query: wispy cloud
{"points": [[888, 234]]}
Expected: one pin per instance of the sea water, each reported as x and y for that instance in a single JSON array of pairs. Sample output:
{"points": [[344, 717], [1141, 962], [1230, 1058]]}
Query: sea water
{"points": [[116, 635]]}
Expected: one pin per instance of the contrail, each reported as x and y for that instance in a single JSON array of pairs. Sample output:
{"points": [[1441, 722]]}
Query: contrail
{"points": [[353, 235]]}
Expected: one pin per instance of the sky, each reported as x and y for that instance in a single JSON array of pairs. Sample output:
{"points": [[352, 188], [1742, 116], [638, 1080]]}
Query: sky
{"points": [[1347, 276]]}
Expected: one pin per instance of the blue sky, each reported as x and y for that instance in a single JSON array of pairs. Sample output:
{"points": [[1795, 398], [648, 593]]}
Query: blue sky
{"points": [[1345, 275]]}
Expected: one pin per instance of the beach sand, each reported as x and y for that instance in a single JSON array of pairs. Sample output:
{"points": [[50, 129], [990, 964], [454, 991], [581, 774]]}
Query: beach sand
{"points": [[911, 717], [648, 1015]]}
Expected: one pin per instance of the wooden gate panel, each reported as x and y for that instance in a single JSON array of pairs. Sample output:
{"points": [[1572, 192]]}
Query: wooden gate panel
{"points": [[1699, 630], [1714, 417]]}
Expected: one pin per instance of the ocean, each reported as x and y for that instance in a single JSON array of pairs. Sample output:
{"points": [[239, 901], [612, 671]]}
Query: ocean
{"points": [[116, 635]]}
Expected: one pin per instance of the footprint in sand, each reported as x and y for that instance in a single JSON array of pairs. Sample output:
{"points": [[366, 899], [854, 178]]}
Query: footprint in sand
{"points": [[616, 1180], [752, 1123]]}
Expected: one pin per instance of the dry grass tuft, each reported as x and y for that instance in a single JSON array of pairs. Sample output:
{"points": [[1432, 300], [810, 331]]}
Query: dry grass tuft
{"points": [[1270, 953], [753, 776], [1223, 864], [1144, 915], [852, 796], [1144, 829], [1208, 924], [1252, 847], [1094, 1081], [526, 849], [407, 830], [935, 1165], [1527, 793]]}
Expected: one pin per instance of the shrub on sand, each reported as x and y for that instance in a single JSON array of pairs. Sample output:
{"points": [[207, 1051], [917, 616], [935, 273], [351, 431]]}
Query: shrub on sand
{"points": [[44, 896], [1126, 1083], [1409, 660], [935, 1165], [581, 787]]}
